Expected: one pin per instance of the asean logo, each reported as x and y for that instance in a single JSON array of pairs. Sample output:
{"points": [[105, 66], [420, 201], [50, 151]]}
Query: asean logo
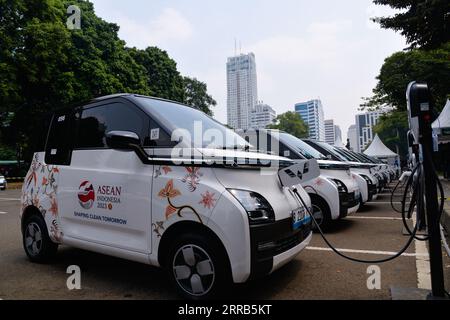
{"points": [[86, 195]]}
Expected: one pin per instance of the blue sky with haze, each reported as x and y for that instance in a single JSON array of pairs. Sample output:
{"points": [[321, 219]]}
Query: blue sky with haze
{"points": [[304, 49]]}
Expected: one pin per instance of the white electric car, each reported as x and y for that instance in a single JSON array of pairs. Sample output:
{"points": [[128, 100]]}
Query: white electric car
{"points": [[380, 171], [3, 183], [334, 194], [363, 170], [125, 175]]}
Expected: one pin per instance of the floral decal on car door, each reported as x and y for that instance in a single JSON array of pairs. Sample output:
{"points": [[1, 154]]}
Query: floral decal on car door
{"points": [[208, 200], [192, 178], [182, 193], [169, 192]]}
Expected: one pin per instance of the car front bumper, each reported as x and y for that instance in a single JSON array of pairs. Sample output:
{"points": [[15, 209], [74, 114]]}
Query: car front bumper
{"points": [[373, 192], [275, 244], [348, 203]]}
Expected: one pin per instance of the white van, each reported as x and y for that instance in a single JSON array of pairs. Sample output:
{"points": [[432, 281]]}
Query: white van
{"points": [[334, 194], [109, 181]]}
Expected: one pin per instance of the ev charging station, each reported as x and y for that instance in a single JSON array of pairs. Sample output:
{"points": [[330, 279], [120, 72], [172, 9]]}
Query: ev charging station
{"points": [[420, 115], [423, 180]]}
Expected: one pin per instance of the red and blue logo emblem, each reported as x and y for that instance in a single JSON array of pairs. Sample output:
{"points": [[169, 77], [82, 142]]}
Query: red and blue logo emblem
{"points": [[86, 195]]}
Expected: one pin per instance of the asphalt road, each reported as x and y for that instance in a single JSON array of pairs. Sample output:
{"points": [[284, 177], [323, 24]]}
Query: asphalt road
{"points": [[316, 273]]}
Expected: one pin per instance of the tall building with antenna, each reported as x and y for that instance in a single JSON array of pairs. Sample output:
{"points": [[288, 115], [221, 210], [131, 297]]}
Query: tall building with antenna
{"points": [[242, 90]]}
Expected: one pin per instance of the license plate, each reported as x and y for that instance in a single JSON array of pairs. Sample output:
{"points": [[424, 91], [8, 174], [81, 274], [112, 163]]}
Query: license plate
{"points": [[298, 218]]}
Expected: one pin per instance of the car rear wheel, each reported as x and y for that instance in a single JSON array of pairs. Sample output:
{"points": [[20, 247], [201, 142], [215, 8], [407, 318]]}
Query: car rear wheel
{"points": [[36, 241]]}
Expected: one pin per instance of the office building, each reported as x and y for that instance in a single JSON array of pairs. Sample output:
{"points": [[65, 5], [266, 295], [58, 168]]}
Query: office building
{"points": [[364, 128], [242, 91], [312, 113], [330, 132], [261, 116]]}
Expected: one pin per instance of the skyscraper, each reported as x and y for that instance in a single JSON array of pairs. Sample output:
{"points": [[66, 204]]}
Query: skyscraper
{"points": [[242, 90], [330, 132], [333, 132], [312, 113], [364, 128], [261, 116]]}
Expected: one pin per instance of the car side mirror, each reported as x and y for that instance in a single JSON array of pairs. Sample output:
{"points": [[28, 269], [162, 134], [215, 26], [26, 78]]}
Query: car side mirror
{"points": [[122, 139]]}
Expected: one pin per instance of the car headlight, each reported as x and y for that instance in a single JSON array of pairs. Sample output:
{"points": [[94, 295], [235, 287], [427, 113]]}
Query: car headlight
{"points": [[340, 185], [366, 178], [258, 208]]}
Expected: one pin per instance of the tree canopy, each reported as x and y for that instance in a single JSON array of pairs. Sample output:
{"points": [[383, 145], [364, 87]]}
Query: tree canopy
{"points": [[424, 23], [398, 70], [45, 66], [292, 123]]}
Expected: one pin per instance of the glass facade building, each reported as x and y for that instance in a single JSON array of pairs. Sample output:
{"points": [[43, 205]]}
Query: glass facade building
{"points": [[312, 113]]}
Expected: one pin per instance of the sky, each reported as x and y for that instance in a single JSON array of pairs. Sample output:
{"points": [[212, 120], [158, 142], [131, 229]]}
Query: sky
{"points": [[304, 50]]}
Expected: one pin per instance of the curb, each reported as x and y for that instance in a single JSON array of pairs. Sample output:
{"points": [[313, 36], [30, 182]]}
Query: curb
{"points": [[445, 219]]}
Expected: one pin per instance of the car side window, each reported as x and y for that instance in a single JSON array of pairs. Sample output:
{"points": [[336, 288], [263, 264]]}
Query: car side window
{"points": [[95, 122], [58, 148], [158, 137]]}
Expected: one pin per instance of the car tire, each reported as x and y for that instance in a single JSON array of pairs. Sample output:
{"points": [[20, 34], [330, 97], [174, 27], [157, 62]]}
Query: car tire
{"points": [[198, 267], [321, 212], [36, 242]]}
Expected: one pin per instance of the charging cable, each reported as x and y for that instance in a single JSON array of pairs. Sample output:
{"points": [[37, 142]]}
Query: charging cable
{"points": [[411, 238]]}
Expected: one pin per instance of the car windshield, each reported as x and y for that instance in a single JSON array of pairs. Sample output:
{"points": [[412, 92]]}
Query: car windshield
{"points": [[362, 157], [304, 149], [331, 150], [201, 130], [350, 155], [346, 155], [370, 158]]}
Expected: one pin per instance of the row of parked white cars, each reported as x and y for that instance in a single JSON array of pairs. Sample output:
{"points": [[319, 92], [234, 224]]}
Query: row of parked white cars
{"points": [[347, 179], [126, 175]]}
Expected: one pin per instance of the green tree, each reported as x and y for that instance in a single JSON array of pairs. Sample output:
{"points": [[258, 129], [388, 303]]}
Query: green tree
{"points": [[424, 23], [292, 123], [161, 74], [398, 70], [45, 66], [7, 153], [196, 95], [34, 61]]}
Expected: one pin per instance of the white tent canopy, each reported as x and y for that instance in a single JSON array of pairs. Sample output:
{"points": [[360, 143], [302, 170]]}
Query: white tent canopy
{"points": [[443, 121], [379, 150]]}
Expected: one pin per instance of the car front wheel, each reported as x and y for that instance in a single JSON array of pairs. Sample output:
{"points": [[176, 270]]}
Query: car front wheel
{"points": [[321, 213], [197, 266]]}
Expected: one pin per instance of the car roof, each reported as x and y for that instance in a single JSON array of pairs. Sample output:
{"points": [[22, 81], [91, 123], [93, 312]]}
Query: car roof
{"points": [[127, 96]]}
